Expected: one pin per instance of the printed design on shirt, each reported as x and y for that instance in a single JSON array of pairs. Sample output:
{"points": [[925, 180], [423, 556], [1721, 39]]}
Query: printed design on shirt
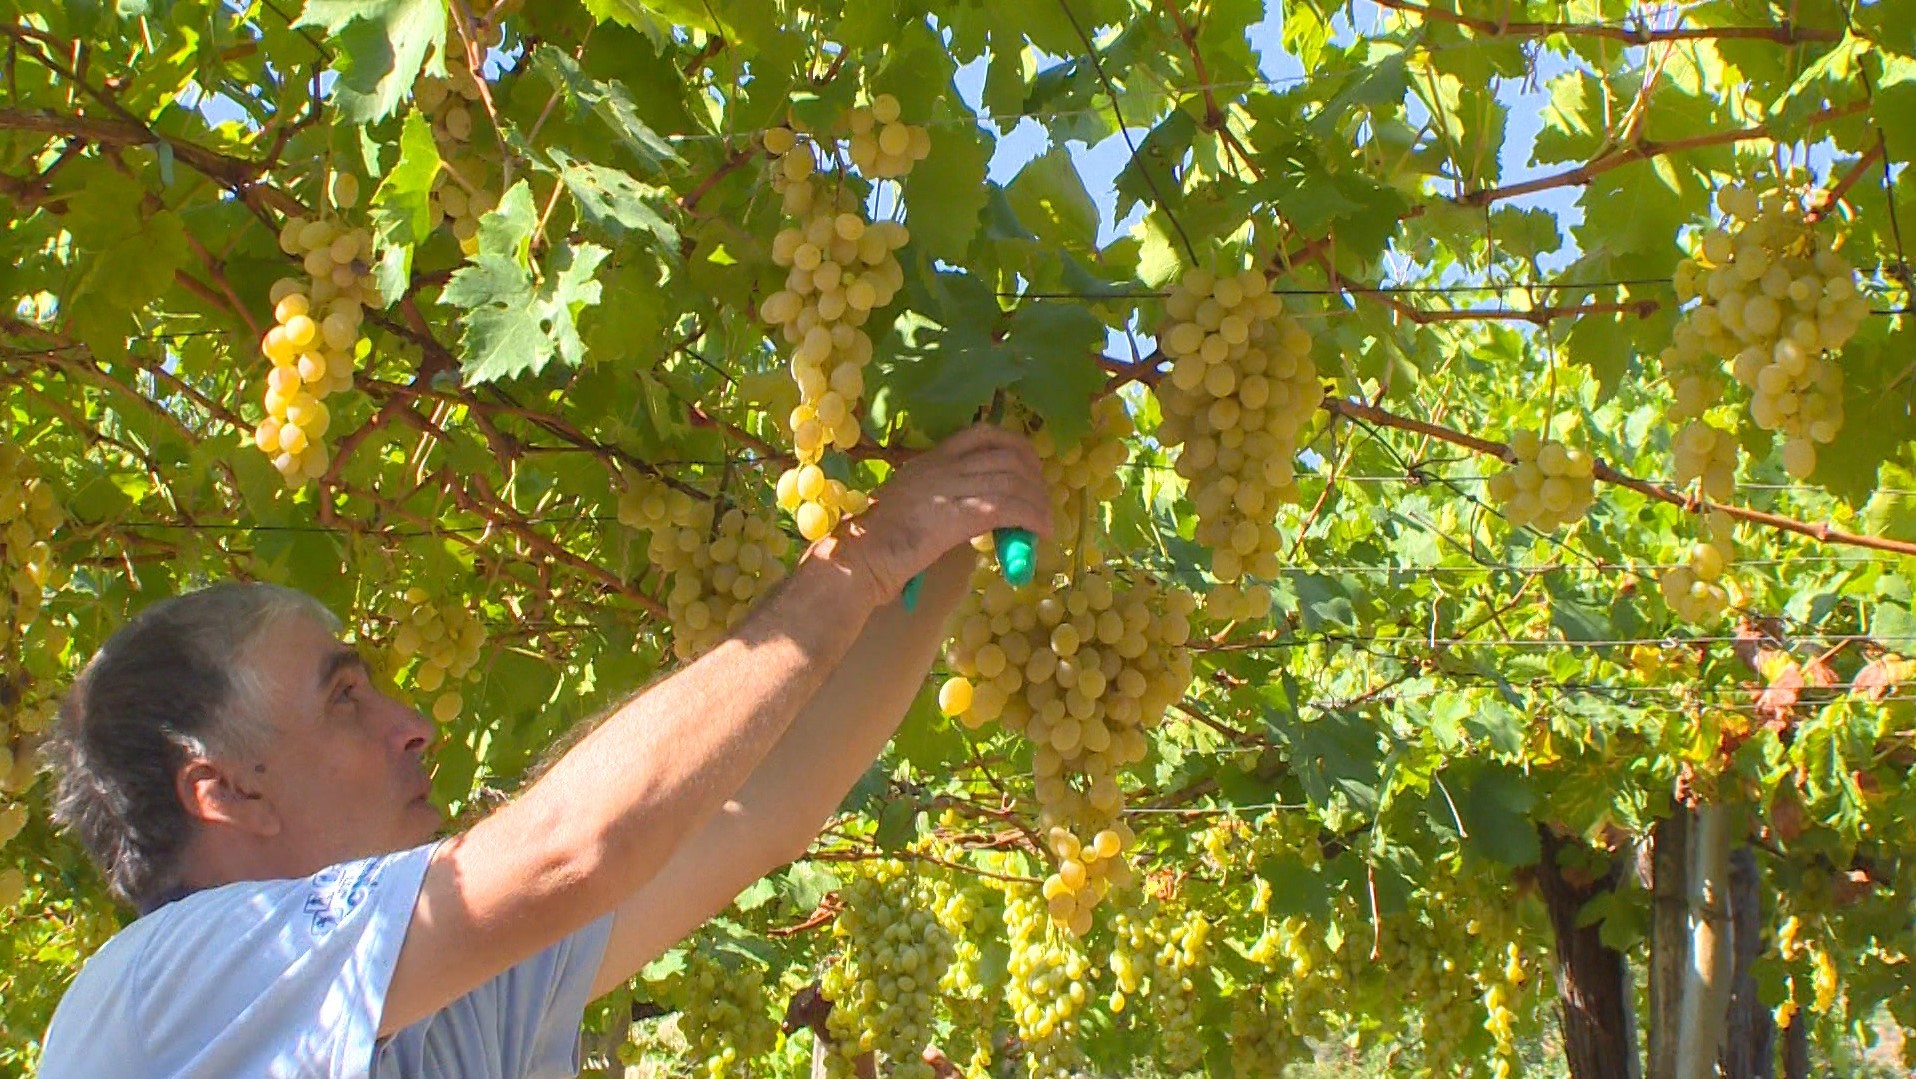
{"points": [[339, 890]]}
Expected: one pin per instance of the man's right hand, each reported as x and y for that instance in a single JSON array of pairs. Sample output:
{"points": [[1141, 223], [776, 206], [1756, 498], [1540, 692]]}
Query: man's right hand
{"points": [[977, 480]]}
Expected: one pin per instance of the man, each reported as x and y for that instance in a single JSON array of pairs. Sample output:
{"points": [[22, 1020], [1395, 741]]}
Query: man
{"points": [[239, 779]]}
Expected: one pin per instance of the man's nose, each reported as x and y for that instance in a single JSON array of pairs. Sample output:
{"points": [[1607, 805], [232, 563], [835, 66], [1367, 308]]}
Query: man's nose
{"points": [[416, 732]]}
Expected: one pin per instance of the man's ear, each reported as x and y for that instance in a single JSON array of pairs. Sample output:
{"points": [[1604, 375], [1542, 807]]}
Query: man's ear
{"points": [[215, 792]]}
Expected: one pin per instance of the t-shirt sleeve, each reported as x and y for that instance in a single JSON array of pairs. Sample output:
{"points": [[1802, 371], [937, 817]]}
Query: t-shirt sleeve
{"points": [[523, 1024], [277, 978], [550, 998]]}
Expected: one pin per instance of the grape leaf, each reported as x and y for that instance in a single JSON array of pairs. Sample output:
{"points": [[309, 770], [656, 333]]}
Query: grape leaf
{"points": [[130, 258], [613, 201], [1893, 108], [402, 206], [1496, 810], [608, 101], [380, 47], [1050, 199], [515, 323], [946, 194], [644, 17], [1151, 172]]}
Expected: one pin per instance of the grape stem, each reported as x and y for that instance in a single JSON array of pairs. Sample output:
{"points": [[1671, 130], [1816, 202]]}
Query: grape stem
{"points": [[1827, 200]]}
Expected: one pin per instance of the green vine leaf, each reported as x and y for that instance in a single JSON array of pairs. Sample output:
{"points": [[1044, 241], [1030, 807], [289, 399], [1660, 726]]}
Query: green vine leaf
{"points": [[516, 322], [381, 46]]}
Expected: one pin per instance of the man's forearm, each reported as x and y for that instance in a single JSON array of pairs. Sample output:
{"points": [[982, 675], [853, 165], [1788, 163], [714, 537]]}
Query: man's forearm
{"points": [[787, 799], [848, 721], [664, 763], [609, 814]]}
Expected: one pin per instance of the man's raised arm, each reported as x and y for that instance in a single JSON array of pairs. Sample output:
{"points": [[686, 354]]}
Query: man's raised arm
{"points": [[611, 813], [778, 812]]}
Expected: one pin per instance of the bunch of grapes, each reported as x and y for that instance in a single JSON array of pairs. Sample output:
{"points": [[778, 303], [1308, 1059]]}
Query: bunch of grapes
{"points": [[1314, 972], [452, 105], [1548, 484], [1706, 453], [1261, 1040], [13, 817], [315, 340], [1162, 959], [1083, 669], [715, 564], [1694, 589], [23, 765], [1499, 1018], [817, 502], [883, 146], [884, 986], [445, 639], [724, 1013], [962, 906], [840, 268], [1824, 982], [1081, 476], [1242, 386], [1050, 982], [1775, 300], [1695, 378], [1456, 959], [29, 514]]}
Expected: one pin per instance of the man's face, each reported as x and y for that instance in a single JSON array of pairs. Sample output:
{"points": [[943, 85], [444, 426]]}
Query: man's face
{"points": [[346, 773]]}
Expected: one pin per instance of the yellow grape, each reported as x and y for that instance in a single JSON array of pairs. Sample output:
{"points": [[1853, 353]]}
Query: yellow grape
{"points": [[715, 562], [1241, 388], [1774, 300], [1548, 484]]}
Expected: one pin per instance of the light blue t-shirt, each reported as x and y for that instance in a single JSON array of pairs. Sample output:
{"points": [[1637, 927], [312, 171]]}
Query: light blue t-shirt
{"points": [[286, 979]]}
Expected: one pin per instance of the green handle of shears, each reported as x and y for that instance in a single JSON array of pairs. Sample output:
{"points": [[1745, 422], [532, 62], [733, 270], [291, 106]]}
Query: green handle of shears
{"points": [[1015, 562]]}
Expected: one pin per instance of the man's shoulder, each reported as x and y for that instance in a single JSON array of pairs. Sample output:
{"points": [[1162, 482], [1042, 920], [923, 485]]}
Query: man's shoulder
{"points": [[222, 912], [221, 968]]}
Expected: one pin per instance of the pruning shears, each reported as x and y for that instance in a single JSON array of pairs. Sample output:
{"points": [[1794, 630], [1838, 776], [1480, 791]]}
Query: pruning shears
{"points": [[1015, 562]]}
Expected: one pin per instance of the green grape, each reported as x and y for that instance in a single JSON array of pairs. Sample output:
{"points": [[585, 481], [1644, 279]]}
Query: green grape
{"points": [[1695, 589], [30, 520], [841, 268], [1548, 484], [314, 342], [1706, 455], [452, 106], [725, 1014], [1050, 984], [1158, 960], [1081, 476], [965, 909], [884, 985], [447, 639]]}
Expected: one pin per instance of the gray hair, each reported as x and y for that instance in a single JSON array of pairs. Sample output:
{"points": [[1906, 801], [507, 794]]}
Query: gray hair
{"points": [[171, 685]]}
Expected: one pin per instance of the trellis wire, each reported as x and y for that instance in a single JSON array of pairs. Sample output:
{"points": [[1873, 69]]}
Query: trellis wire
{"points": [[1837, 692], [606, 518], [1430, 643]]}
